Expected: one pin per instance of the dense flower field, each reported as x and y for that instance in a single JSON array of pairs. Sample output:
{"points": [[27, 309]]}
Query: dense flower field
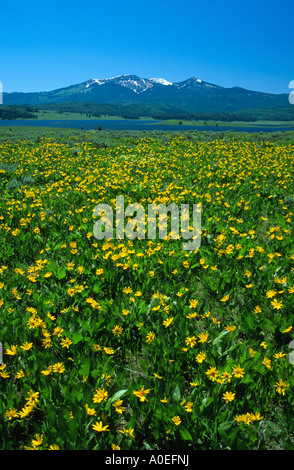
{"points": [[139, 344]]}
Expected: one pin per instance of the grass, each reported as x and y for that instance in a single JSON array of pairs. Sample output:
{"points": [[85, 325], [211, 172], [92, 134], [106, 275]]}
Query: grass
{"points": [[71, 116], [67, 116]]}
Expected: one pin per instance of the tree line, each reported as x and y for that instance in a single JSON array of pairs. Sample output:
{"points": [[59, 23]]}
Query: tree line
{"points": [[228, 117], [157, 112], [17, 112]]}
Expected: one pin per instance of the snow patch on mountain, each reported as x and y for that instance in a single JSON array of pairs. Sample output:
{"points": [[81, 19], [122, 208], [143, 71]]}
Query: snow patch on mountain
{"points": [[162, 81], [138, 85], [95, 80]]}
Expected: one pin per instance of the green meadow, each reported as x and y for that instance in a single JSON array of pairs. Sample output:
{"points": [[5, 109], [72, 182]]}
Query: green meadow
{"points": [[136, 343]]}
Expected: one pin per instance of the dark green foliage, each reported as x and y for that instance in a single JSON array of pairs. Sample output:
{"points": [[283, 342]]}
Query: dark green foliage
{"points": [[17, 112]]}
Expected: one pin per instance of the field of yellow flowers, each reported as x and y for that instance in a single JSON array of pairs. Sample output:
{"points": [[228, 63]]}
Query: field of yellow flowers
{"points": [[139, 344]]}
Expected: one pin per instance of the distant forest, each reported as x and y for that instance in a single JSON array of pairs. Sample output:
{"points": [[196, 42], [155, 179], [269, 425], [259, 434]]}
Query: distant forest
{"points": [[135, 111], [17, 112]]}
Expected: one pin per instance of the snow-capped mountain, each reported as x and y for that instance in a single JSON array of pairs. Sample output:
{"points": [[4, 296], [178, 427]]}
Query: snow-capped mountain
{"points": [[134, 83], [193, 94], [140, 85]]}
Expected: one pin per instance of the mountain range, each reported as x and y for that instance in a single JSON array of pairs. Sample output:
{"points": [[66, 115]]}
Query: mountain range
{"points": [[191, 95]]}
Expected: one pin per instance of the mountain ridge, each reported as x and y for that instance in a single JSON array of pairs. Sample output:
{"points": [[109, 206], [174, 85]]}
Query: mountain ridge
{"points": [[192, 94]]}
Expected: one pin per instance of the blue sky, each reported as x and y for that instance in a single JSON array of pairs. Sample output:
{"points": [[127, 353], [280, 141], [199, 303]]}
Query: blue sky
{"points": [[49, 45]]}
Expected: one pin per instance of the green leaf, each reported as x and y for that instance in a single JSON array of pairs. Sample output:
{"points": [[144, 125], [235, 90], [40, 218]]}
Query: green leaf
{"points": [[76, 394], [97, 287], [96, 373], [61, 273], [226, 425], [177, 393], [77, 337], [185, 434], [251, 322], [206, 402], [117, 395], [85, 368], [219, 337]]}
